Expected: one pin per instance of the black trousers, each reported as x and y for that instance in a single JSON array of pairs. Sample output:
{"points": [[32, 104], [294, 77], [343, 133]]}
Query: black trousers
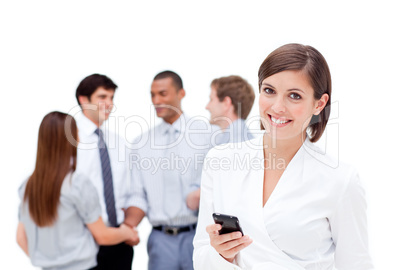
{"points": [[119, 257]]}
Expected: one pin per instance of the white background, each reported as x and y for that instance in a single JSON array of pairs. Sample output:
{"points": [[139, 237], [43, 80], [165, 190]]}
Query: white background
{"points": [[47, 47]]}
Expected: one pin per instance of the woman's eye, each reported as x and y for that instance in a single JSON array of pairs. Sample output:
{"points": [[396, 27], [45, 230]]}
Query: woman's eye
{"points": [[295, 96], [269, 91]]}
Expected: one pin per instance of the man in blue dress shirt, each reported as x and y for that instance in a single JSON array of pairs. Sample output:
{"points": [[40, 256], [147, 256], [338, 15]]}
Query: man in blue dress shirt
{"points": [[230, 102], [166, 166]]}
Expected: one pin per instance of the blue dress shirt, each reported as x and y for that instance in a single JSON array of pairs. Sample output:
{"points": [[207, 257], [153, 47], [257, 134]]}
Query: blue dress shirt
{"points": [[154, 158]]}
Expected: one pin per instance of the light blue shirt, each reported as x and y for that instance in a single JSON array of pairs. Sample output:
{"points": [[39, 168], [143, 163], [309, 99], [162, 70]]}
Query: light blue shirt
{"points": [[153, 159], [237, 131], [67, 244]]}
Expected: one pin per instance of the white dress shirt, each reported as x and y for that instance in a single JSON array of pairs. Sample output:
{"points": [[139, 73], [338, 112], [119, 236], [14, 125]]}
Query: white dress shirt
{"points": [[151, 159], [314, 219], [89, 164]]}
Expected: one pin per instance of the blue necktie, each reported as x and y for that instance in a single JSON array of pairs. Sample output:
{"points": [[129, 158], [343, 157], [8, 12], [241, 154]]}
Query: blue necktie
{"points": [[108, 191]]}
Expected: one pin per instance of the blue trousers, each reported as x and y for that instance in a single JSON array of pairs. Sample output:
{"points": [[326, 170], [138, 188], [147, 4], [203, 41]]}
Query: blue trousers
{"points": [[170, 252]]}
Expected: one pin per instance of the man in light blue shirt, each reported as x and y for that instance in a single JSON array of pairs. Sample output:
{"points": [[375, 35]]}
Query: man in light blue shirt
{"points": [[166, 166], [231, 100]]}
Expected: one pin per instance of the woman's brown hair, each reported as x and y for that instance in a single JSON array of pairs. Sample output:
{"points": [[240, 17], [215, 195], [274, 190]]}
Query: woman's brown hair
{"points": [[310, 61], [56, 157]]}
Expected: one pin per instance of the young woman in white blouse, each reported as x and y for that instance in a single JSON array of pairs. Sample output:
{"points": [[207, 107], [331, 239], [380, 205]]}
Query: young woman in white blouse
{"points": [[60, 215], [299, 208]]}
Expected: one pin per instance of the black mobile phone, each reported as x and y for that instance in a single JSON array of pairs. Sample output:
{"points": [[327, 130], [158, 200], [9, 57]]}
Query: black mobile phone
{"points": [[229, 223]]}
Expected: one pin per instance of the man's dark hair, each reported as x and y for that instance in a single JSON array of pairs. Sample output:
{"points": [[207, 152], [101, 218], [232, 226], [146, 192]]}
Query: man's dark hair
{"points": [[88, 85], [170, 74]]}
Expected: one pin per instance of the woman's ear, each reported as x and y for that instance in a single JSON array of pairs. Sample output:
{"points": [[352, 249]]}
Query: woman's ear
{"points": [[320, 104]]}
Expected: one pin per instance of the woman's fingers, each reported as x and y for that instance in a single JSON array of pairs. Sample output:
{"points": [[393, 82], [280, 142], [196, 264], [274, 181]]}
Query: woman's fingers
{"points": [[231, 253], [231, 244], [228, 237], [228, 245], [229, 249], [213, 229]]}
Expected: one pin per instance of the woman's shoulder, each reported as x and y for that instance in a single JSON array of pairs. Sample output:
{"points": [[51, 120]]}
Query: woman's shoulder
{"points": [[21, 189], [327, 166], [77, 183]]}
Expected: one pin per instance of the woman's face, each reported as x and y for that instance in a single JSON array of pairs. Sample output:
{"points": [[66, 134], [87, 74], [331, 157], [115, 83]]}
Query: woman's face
{"points": [[287, 104]]}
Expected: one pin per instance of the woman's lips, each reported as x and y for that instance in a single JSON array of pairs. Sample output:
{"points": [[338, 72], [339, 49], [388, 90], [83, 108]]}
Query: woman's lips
{"points": [[278, 121]]}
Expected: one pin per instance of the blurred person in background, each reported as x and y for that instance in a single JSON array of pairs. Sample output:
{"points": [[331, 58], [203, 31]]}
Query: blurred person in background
{"points": [[104, 159], [176, 148], [60, 215], [230, 102]]}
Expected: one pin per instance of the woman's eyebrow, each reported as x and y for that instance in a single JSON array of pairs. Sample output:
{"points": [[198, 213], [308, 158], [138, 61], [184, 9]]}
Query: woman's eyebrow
{"points": [[296, 89], [268, 85], [289, 90]]}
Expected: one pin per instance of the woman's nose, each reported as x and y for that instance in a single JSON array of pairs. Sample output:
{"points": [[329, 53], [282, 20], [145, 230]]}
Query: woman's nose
{"points": [[279, 105]]}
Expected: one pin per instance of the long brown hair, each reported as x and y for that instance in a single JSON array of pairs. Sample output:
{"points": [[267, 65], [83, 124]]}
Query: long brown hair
{"points": [[310, 61], [56, 157]]}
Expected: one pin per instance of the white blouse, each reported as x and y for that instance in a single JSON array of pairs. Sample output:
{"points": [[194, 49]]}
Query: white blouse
{"points": [[314, 219]]}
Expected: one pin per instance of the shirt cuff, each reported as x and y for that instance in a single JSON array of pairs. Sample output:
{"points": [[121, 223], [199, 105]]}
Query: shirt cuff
{"points": [[139, 204], [191, 189]]}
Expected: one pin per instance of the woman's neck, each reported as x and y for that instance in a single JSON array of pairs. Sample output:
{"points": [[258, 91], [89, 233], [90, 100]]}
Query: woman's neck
{"points": [[282, 149]]}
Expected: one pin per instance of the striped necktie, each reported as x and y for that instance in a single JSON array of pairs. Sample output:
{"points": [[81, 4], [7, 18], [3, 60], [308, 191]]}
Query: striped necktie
{"points": [[108, 191]]}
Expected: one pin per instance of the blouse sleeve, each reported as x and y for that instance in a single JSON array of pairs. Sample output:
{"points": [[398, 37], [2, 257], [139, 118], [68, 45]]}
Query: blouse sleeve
{"points": [[205, 256], [21, 192], [349, 228], [86, 199]]}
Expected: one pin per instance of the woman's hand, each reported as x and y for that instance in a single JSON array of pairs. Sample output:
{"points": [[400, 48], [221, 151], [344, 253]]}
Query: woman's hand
{"points": [[131, 233], [227, 245]]}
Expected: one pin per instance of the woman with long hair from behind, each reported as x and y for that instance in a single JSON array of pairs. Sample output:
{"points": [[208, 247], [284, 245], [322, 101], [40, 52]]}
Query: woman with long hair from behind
{"points": [[59, 214]]}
